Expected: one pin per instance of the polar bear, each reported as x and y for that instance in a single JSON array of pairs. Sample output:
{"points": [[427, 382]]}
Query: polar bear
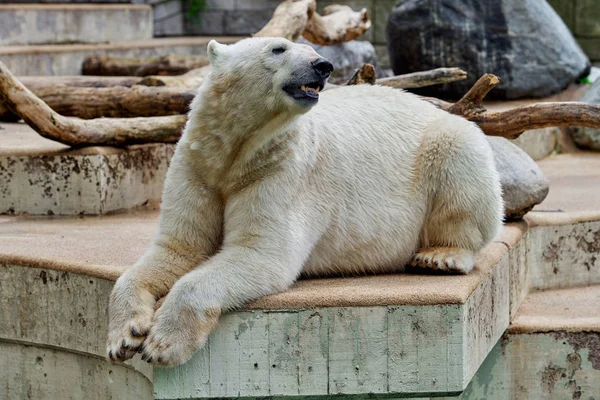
{"points": [[273, 179]]}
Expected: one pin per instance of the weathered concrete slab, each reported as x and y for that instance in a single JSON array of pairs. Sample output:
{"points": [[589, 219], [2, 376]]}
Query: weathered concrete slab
{"points": [[66, 59], [43, 177], [24, 24], [52, 334]]}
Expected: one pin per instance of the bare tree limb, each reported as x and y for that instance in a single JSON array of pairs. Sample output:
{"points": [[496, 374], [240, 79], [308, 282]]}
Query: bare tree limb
{"points": [[414, 80], [76, 132], [289, 19], [36, 82], [339, 24], [170, 64], [471, 104], [512, 123]]}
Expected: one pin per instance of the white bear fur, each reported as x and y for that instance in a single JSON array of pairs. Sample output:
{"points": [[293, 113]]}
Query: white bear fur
{"points": [[262, 189]]}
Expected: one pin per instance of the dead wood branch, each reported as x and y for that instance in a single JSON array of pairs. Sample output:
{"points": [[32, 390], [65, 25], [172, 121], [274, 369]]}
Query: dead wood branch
{"points": [[339, 24], [191, 79], [76, 132], [471, 103], [171, 64], [414, 80], [512, 123], [116, 101], [289, 19], [363, 75]]}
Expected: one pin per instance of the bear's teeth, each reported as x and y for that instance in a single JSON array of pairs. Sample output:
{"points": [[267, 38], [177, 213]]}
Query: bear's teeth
{"points": [[304, 88]]}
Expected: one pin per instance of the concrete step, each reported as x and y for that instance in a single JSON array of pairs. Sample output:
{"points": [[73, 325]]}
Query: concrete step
{"points": [[39, 176], [67, 59], [551, 350], [23, 24]]}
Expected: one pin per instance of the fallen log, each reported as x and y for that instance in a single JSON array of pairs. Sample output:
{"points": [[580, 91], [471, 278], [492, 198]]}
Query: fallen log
{"points": [[35, 82], [171, 64], [191, 79], [76, 132], [114, 102], [414, 80], [289, 19], [338, 24]]}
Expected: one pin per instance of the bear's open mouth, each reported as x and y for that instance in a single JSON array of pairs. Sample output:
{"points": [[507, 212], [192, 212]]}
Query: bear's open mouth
{"points": [[308, 91]]}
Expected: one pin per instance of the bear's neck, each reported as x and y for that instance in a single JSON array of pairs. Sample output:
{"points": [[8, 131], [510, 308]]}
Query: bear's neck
{"points": [[231, 142]]}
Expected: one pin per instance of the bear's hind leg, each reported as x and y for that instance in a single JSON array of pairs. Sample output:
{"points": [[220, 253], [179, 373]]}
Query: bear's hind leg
{"points": [[456, 167]]}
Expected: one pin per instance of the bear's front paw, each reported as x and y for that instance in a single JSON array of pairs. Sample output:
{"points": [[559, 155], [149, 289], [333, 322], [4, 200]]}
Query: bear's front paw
{"points": [[448, 259], [177, 332], [130, 318]]}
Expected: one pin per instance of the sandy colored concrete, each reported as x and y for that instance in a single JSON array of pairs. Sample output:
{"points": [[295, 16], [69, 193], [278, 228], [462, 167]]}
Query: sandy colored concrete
{"points": [[572, 310]]}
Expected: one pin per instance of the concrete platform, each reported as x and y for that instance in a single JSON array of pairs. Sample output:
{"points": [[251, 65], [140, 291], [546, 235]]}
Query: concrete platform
{"points": [[67, 59], [40, 176], [394, 335], [24, 24]]}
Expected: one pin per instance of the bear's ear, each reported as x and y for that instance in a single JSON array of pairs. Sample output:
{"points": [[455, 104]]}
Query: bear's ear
{"points": [[215, 50]]}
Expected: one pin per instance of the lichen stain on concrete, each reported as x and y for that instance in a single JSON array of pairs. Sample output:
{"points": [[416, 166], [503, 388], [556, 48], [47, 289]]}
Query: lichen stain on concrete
{"points": [[590, 242], [583, 340], [552, 251], [550, 376]]}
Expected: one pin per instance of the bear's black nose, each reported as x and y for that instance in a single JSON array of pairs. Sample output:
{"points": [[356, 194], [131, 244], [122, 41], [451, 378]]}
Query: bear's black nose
{"points": [[323, 67]]}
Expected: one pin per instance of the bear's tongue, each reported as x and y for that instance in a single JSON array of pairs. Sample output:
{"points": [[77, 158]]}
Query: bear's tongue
{"points": [[310, 91]]}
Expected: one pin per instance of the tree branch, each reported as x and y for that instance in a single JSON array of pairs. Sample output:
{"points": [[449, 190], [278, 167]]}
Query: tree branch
{"points": [[76, 132], [414, 80]]}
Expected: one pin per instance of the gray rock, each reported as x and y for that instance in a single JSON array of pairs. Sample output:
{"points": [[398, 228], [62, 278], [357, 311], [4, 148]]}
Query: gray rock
{"points": [[347, 58], [588, 138], [523, 182], [525, 43]]}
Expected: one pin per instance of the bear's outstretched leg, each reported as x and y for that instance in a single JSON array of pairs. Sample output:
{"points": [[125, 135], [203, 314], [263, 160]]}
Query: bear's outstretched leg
{"points": [[263, 252], [189, 232], [456, 165]]}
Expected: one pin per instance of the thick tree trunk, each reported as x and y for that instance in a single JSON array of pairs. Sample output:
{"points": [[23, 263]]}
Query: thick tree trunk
{"points": [[339, 24], [76, 132], [289, 19], [171, 64]]}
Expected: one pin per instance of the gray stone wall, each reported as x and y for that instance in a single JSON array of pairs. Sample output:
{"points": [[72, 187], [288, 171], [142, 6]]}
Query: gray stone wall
{"points": [[583, 19]]}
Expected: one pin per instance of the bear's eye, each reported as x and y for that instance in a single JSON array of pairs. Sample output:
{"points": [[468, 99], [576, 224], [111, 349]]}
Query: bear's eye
{"points": [[278, 50]]}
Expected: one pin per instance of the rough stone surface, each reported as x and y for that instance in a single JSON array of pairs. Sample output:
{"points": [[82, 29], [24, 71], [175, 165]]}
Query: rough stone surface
{"points": [[523, 183], [347, 58], [588, 138], [526, 44], [81, 23]]}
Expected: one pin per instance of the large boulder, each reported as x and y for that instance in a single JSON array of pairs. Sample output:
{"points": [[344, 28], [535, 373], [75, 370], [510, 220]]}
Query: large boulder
{"points": [[523, 182], [588, 138], [524, 42], [347, 58]]}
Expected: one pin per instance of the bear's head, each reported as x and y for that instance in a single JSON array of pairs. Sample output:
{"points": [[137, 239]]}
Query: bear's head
{"points": [[273, 74]]}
